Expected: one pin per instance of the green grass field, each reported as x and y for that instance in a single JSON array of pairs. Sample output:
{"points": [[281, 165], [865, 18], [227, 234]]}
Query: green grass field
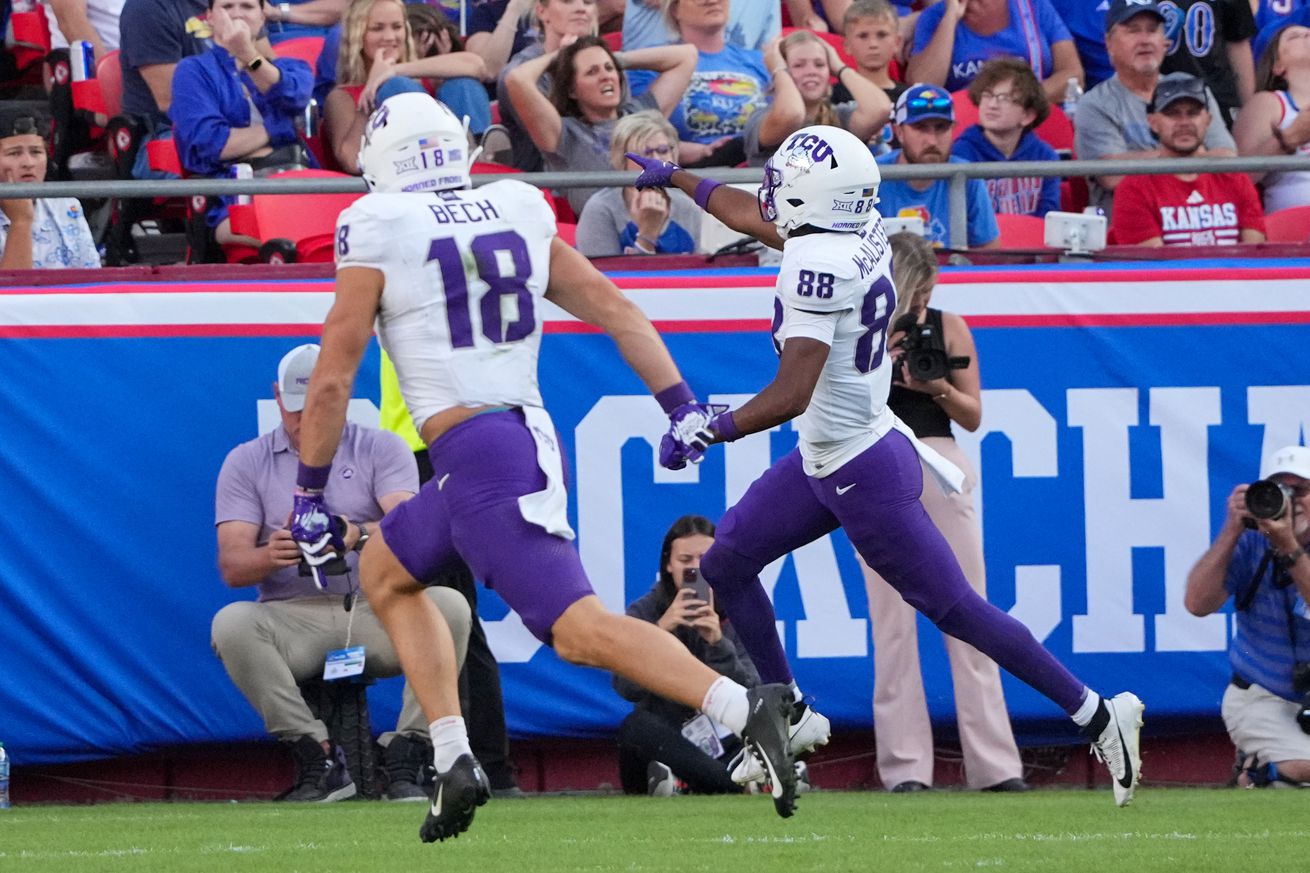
{"points": [[1050, 830]]}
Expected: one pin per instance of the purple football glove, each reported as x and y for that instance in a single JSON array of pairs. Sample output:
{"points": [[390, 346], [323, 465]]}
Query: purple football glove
{"points": [[672, 453], [655, 173], [318, 533], [689, 433]]}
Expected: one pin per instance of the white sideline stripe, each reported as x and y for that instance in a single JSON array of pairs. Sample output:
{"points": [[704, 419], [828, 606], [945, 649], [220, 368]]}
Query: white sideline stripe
{"points": [[713, 304]]}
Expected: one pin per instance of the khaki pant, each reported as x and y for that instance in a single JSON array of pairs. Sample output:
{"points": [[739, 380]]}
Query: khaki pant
{"points": [[269, 648], [900, 711]]}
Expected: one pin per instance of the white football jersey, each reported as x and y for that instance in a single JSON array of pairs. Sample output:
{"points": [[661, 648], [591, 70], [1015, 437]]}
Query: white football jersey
{"points": [[837, 288], [465, 272]]}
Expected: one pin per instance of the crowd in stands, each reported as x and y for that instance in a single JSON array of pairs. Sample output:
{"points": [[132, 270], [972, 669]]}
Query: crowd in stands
{"points": [[545, 85]]}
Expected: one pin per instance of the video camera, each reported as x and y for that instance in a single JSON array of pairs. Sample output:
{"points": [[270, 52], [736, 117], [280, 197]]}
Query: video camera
{"points": [[925, 355]]}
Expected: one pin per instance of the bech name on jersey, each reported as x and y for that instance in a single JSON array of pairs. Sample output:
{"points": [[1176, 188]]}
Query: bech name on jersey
{"points": [[1199, 217], [870, 252], [459, 212]]}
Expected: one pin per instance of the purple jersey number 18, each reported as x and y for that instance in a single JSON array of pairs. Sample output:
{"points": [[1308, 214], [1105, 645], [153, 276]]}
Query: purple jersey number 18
{"points": [[485, 248]]}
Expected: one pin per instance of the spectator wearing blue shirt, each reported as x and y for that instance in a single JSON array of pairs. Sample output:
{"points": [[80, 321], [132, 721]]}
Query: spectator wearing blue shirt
{"points": [[1086, 22], [233, 105], [1010, 105], [925, 121], [751, 25], [953, 39], [295, 18], [498, 30], [728, 85]]}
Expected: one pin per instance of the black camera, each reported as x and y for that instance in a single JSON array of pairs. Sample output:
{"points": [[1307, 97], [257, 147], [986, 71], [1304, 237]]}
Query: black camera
{"points": [[1301, 685], [925, 351], [1267, 499]]}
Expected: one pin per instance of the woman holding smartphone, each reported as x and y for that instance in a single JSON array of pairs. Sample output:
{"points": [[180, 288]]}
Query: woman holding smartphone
{"points": [[664, 747]]}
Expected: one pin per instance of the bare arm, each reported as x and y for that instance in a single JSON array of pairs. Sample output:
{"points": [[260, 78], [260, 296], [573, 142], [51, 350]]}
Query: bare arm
{"points": [[320, 13], [585, 293], [873, 108], [18, 242], [1251, 235], [75, 25], [345, 125], [674, 63], [242, 563], [448, 66], [494, 46], [735, 208], [802, 14], [159, 79], [1065, 66], [960, 396], [1243, 64], [785, 115], [1205, 590], [346, 334], [241, 141], [933, 63], [535, 111], [789, 393], [1260, 118]]}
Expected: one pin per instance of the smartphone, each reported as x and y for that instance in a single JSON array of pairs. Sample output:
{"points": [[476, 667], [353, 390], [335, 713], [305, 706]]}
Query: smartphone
{"points": [[691, 578]]}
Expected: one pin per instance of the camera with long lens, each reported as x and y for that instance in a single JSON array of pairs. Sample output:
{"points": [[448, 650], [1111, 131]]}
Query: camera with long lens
{"points": [[925, 356], [1301, 685], [1268, 500]]}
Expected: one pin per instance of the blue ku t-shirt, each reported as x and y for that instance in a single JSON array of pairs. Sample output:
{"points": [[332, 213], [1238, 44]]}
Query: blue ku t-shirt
{"points": [[726, 88], [1034, 27], [933, 205]]}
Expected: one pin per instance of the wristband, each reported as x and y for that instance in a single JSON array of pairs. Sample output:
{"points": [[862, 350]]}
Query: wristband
{"points": [[312, 478], [723, 425], [704, 188], [654, 246], [1291, 557], [674, 396], [842, 69]]}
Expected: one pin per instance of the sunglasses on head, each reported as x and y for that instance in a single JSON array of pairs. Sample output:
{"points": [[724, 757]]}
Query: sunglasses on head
{"points": [[927, 103]]}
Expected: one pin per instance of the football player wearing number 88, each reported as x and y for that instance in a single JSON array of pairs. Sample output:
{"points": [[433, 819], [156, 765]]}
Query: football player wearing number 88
{"points": [[857, 465], [454, 279]]}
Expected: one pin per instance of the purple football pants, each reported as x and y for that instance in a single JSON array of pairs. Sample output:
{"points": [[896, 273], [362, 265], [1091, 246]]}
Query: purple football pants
{"points": [[875, 499], [469, 509]]}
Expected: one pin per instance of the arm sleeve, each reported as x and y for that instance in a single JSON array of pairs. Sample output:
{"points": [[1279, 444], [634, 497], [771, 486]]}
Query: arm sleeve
{"points": [[926, 26], [1238, 22], [1217, 137], [200, 127], [1051, 24], [394, 467], [292, 92], [639, 81], [982, 215], [1097, 134], [235, 497], [596, 236], [1050, 200], [1134, 218], [147, 37], [362, 236], [1250, 214]]}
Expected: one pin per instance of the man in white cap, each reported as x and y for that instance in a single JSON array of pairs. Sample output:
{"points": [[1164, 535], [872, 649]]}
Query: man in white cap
{"points": [[296, 627], [1259, 558]]}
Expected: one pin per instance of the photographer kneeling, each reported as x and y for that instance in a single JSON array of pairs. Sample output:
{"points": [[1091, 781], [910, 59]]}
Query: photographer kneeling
{"points": [[1259, 559], [935, 385]]}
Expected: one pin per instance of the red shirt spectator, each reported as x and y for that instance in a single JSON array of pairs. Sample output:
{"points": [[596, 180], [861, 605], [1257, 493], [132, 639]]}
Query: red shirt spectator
{"points": [[1211, 209]]}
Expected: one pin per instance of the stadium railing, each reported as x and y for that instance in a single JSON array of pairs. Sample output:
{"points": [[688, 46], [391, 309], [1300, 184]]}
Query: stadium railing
{"points": [[957, 176]]}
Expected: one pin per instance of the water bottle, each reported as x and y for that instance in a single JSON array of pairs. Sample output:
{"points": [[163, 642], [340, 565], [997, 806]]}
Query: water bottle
{"points": [[242, 171], [4, 778], [82, 60], [1073, 92]]}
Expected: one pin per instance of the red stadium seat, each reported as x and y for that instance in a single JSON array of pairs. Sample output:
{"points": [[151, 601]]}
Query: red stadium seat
{"points": [[309, 221], [568, 233], [30, 37], [1057, 130], [614, 40], [1021, 231], [1074, 195], [1290, 225], [966, 114], [833, 39], [305, 48], [104, 93]]}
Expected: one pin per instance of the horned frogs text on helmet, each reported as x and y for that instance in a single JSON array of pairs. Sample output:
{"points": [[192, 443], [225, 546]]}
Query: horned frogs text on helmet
{"points": [[414, 143], [821, 176]]}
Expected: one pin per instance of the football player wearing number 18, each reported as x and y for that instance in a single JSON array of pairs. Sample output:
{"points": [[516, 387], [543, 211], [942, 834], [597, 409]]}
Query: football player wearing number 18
{"points": [[455, 279], [857, 465]]}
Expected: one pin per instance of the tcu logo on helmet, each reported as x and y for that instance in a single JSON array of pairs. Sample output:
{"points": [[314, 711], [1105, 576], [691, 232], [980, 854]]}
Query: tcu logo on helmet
{"points": [[815, 146]]}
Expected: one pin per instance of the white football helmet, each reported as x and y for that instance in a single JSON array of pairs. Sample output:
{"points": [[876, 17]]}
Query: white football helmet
{"points": [[414, 143], [821, 176]]}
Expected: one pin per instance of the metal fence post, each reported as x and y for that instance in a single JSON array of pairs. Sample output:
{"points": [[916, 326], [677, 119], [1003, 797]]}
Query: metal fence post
{"points": [[959, 198]]}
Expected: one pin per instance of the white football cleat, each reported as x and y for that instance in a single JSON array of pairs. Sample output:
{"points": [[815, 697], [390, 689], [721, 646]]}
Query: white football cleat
{"points": [[809, 730], [1119, 744]]}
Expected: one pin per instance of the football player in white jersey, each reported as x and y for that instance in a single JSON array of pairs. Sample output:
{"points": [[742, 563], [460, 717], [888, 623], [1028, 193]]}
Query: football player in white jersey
{"points": [[857, 466], [455, 279]]}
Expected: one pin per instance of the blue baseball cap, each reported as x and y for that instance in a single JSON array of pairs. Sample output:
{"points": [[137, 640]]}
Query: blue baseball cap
{"points": [[1268, 34], [1122, 10], [921, 102]]}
